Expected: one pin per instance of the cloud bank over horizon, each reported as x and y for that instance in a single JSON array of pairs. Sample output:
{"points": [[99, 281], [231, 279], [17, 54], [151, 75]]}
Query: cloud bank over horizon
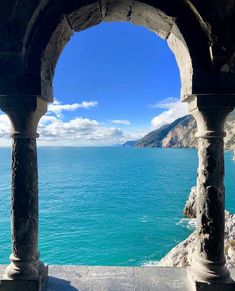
{"points": [[78, 131], [55, 129]]}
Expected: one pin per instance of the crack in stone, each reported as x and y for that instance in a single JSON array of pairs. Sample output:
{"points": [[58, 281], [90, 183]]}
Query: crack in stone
{"points": [[100, 8], [130, 10], [69, 23], [170, 31], [107, 8]]}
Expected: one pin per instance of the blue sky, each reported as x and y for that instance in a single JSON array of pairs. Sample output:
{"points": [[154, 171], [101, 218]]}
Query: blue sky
{"points": [[113, 82]]}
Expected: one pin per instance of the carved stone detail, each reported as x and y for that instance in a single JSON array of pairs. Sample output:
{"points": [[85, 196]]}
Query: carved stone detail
{"points": [[208, 263], [24, 209], [25, 263]]}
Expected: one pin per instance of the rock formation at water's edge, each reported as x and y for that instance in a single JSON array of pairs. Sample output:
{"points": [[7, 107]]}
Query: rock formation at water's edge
{"points": [[181, 255]]}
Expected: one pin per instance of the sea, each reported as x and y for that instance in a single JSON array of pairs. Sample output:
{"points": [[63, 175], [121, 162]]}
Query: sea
{"points": [[109, 205]]}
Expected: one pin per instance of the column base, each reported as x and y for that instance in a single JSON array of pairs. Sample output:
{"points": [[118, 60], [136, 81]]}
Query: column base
{"points": [[20, 285], [43, 275], [38, 284], [196, 285]]}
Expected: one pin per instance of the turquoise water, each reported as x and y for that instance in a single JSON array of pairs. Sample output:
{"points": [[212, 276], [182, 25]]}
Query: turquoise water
{"points": [[110, 205]]}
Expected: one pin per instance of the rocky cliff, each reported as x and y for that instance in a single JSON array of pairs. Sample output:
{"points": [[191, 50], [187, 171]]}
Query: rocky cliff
{"points": [[181, 255], [181, 134]]}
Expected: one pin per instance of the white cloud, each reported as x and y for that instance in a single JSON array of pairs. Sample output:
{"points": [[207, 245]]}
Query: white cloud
{"points": [[5, 129], [78, 131], [120, 121], [57, 108], [174, 109], [5, 126], [167, 103]]}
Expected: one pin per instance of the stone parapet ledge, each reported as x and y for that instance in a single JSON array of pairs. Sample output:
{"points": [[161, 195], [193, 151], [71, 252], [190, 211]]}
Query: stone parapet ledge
{"points": [[90, 278]]}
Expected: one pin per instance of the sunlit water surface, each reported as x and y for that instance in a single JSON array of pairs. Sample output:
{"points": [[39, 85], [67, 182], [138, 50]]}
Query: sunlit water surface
{"points": [[109, 205]]}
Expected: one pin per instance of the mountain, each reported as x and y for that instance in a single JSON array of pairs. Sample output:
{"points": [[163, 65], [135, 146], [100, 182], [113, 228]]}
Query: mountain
{"points": [[175, 134], [130, 143], [181, 134]]}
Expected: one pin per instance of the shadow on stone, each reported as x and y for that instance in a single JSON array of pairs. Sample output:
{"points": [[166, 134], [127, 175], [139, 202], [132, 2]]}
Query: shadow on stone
{"points": [[55, 284]]}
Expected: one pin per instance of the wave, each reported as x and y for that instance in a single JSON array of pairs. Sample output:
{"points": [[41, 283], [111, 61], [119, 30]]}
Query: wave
{"points": [[189, 223]]}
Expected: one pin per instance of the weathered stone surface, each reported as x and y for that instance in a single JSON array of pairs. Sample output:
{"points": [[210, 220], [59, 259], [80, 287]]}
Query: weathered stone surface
{"points": [[153, 19], [208, 260], [25, 264], [116, 10], [178, 46], [71, 278], [190, 210], [24, 209], [28, 29], [85, 17], [50, 56]]}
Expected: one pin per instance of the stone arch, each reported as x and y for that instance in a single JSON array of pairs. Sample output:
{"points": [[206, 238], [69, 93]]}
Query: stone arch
{"points": [[32, 36], [55, 23]]}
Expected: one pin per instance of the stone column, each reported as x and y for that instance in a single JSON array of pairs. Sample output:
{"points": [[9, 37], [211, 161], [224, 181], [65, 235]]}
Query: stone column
{"points": [[25, 264], [208, 270]]}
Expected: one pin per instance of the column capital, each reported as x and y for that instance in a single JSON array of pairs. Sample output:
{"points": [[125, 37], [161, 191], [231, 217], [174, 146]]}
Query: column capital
{"points": [[24, 113], [210, 112]]}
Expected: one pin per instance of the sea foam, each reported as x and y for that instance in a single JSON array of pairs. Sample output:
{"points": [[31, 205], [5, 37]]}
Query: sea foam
{"points": [[189, 223]]}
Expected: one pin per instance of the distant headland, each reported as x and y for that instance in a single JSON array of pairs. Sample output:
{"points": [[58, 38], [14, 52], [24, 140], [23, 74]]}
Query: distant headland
{"points": [[181, 134]]}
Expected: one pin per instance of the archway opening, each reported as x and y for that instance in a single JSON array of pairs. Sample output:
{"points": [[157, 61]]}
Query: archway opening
{"points": [[113, 82]]}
